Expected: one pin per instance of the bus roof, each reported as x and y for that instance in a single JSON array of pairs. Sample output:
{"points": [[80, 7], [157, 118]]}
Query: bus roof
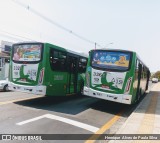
{"points": [[69, 51], [112, 50], [77, 53]]}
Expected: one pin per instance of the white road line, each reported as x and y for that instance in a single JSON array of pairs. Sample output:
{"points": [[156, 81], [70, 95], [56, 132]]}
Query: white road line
{"points": [[62, 119], [31, 120]]}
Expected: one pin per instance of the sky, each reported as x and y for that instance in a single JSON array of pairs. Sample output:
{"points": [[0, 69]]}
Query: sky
{"points": [[119, 24]]}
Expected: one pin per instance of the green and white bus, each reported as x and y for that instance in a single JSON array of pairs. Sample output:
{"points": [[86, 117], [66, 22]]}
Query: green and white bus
{"points": [[46, 69], [116, 75]]}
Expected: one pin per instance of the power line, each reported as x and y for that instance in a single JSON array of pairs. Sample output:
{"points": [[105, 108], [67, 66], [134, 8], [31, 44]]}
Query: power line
{"points": [[11, 37], [54, 23], [16, 35]]}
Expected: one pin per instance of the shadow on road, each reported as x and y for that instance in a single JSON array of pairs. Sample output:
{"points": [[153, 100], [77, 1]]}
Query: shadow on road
{"points": [[76, 104]]}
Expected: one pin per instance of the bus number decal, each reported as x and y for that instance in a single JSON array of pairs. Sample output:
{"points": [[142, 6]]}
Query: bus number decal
{"points": [[97, 74], [32, 74], [113, 80], [96, 80], [17, 68], [96, 77], [117, 81], [16, 73]]}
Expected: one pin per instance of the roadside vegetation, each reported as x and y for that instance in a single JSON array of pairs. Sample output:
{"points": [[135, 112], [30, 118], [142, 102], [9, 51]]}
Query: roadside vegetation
{"points": [[156, 75]]}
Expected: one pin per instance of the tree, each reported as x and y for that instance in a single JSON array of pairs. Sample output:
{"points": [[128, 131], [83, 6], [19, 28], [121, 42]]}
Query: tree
{"points": [[156, 75]]}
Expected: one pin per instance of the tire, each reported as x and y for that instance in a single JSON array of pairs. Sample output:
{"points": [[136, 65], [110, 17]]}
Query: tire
{"points": [[6, 88]]}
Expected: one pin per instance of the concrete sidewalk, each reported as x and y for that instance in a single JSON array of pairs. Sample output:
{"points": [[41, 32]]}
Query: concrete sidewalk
{"points": [[145, 119]]}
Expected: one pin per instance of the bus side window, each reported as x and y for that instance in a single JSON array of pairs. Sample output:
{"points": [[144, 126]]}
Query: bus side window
{"points": [[142, 72], [71, 64], [82, 65], [145, 72], [0, 63], [58, 60], [137, 69]]}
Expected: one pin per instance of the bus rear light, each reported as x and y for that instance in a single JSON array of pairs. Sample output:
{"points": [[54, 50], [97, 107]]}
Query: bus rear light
{"points": [[128, 85], [41, 76]]}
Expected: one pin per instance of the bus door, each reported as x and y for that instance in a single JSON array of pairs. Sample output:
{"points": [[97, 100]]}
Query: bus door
{"points": [[148, 75], [139, 80], [73, 75]]}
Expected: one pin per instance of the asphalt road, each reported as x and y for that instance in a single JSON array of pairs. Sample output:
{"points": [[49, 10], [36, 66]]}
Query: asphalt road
{"points": [[22, 113]]}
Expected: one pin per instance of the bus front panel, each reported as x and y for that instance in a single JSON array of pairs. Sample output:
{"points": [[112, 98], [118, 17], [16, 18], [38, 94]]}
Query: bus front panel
{"points": [[108, 76], [27, 71]]}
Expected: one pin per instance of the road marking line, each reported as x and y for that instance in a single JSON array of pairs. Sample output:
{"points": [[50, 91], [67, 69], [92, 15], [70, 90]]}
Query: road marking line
{"points": [[104, 128], [31, 120], [62, 119], [7, 102]]}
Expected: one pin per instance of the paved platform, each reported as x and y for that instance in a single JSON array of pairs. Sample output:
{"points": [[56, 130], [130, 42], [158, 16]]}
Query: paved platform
{"points": [[145, 119]]}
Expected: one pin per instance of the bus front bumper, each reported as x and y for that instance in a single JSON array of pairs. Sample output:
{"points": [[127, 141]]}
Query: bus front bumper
{"points": [[39, 89], [121, 98]]}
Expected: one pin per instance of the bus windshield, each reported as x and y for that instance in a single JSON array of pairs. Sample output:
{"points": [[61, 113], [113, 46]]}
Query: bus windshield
{"points": [[27, 52], [111, 60]]}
